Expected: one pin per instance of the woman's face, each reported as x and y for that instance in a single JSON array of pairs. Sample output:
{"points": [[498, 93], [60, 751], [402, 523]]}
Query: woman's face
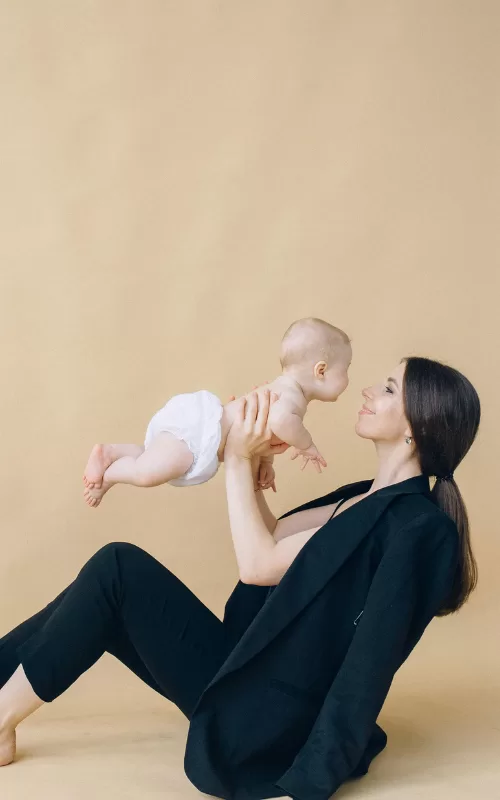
{"points": [[382, 417]]}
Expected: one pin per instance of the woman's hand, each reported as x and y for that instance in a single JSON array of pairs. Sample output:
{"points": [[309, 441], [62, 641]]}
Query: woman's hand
{"points": [[250, 434]]}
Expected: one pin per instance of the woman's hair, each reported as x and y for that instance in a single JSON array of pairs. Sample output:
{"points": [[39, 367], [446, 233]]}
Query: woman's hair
{"points": [[443, 411]]}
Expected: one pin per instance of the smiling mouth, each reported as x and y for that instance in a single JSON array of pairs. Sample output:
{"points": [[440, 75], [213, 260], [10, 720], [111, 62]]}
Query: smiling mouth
{"points": [[365, 410]]}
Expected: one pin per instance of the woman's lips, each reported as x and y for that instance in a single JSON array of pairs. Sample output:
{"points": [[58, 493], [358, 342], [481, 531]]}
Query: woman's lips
{"points": [[365, 411]]}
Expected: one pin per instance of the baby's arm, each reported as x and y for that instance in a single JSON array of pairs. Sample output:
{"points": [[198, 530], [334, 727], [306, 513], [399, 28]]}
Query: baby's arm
{"points": [[286, 422], [265, 477]]}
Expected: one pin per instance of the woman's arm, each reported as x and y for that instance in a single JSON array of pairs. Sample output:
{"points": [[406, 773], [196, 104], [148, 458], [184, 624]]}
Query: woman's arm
{"points": [[270, 520], [261, 559], [295, 523], [251, 527]]}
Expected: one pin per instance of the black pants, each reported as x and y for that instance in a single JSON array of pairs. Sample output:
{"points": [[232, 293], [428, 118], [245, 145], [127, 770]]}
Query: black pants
{"points": [[126, 603]]}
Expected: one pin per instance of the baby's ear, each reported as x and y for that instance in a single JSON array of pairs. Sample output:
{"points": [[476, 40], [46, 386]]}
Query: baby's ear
{"points": [[320, 368]]}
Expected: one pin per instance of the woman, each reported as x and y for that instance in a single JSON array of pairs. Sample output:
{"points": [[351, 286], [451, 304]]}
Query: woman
{"points": [[283, 695]]}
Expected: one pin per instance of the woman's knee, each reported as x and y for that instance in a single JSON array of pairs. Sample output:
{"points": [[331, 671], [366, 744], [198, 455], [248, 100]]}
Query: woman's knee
{"points": [[124, 564], [116, 553]]}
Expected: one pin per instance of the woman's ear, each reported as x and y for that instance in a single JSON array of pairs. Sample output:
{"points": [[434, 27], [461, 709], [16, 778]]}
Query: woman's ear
{"points": [[320, 369]]}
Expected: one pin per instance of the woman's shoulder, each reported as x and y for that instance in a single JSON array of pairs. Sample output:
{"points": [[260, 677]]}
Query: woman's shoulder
{"points": [[417, 517]]}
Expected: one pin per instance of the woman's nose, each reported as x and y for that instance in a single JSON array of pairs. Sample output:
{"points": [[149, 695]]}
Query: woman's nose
{"points": [[365, 393]]}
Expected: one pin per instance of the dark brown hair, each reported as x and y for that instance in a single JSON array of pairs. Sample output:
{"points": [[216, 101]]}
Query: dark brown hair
{"points": [[443, 411]]}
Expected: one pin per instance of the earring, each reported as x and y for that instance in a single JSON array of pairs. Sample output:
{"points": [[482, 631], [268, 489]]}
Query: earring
{"points": [[408, 440]]}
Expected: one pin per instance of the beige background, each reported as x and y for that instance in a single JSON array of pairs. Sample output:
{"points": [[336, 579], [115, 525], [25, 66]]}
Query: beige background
{"points": [[181, 180]]}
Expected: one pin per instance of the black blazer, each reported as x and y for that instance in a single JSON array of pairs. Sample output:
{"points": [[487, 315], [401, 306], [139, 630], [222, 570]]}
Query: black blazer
{"points": [[293, 708]]}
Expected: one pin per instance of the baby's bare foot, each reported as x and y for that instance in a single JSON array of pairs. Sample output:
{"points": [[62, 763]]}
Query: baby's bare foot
{"points": [[100, 459], [94, 496], [7, 746]]}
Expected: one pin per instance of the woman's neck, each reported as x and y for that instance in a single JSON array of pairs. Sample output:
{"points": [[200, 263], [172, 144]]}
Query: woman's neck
{"points": [[394, 466]]}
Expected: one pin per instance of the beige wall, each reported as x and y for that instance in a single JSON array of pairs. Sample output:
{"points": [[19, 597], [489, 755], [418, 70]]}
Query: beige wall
{"points": [[179, 181]]}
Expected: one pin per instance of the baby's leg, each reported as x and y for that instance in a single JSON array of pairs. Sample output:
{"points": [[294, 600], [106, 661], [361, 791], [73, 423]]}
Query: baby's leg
{"points": [[102, 456], [165, 459]]}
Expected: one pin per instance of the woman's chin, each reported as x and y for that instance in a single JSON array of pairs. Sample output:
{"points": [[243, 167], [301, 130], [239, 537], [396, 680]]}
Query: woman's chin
{"points": [[361, 430]]}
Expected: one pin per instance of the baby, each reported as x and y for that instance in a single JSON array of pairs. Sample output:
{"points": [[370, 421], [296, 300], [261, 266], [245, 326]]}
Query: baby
{"points": [[185, 440]]}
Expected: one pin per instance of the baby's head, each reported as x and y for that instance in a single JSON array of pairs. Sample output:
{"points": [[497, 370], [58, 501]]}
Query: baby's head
{"points": [[318, 356]]}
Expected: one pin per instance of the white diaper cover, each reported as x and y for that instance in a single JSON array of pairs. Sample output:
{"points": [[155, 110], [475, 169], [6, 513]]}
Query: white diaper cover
{"points": [[196, 419]]}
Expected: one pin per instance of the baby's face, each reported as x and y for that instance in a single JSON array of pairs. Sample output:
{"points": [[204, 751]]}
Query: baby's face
{"points": [[336, 377]]}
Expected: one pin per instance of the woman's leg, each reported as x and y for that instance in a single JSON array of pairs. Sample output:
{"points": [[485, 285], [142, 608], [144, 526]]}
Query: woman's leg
{"points": [[121, 647], [9, 659], [124, 602]]}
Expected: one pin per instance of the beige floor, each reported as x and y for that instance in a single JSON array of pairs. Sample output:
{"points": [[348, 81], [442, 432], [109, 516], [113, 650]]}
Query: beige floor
{"points": [[443, 743], [111, 737], [140, 756]]}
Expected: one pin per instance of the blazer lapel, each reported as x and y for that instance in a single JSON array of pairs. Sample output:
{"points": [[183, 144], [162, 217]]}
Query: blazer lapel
{"points": [[320, 558]]}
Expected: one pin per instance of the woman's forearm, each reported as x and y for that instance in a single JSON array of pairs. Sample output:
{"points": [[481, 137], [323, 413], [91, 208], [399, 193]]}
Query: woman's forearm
{"points": [[253, 542], [270, 520], [267, 515]]}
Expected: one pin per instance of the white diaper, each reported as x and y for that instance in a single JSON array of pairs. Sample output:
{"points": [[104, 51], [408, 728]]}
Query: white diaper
{"points": [[196, 419]]}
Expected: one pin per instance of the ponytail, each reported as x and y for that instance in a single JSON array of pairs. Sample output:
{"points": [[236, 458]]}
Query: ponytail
{"points": [[443, 410], [447, 496]]}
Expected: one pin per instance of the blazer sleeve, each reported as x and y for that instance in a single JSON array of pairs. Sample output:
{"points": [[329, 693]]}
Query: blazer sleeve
{"points": [[412, 581]]}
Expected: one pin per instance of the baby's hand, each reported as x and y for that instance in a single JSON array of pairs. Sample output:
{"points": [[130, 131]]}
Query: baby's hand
{"points": [[311, 454], [266, 476]]}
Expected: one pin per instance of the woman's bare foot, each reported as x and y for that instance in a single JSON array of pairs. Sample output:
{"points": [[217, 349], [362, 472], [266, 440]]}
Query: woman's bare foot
{"points": [[7, 746], [94, 496], [101, 457]]}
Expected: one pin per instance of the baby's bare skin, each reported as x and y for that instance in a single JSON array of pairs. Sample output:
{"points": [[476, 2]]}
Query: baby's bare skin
{"points": [[291, 402], [315, 358]]}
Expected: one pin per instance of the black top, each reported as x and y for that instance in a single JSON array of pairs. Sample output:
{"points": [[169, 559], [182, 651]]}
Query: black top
{"points": [[337, 507]]}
